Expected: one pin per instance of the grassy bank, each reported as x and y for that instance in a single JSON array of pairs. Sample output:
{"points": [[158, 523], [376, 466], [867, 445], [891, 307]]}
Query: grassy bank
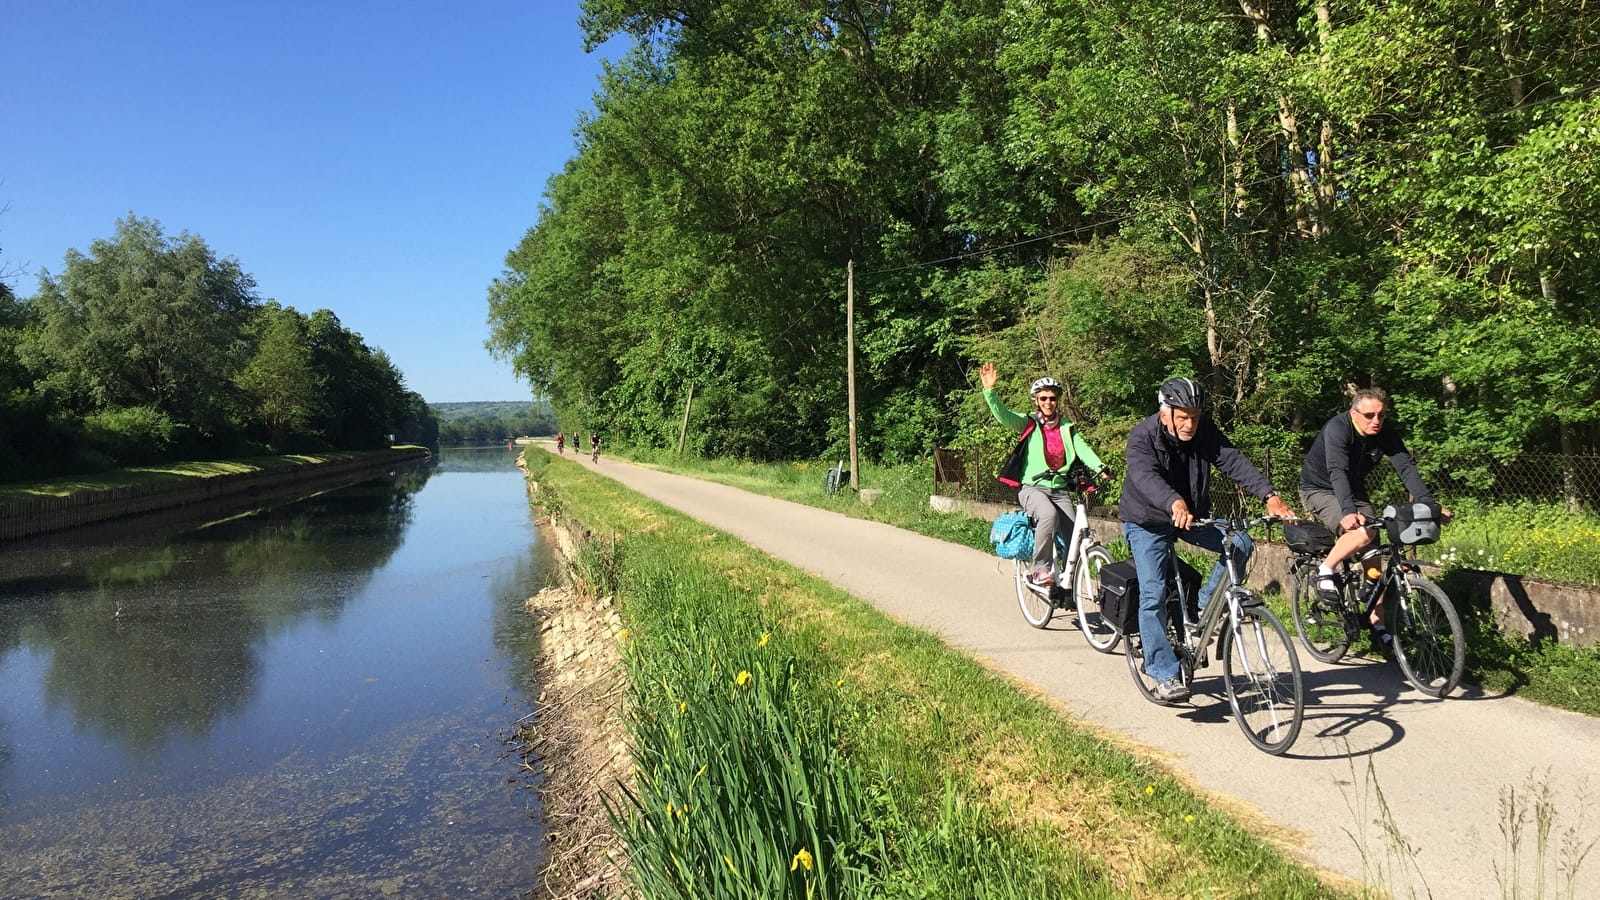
{"points": [[174, 472], [1552, 674], [793, 741]]}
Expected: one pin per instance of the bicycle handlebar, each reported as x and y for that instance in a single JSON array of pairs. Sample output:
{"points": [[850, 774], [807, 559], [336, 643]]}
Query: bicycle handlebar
{"points": [[1225, 524], [1078, 475]]}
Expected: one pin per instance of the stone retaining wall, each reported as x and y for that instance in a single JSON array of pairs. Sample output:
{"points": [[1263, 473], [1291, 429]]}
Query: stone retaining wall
{"points": [[1536, 608], [38, 515]]}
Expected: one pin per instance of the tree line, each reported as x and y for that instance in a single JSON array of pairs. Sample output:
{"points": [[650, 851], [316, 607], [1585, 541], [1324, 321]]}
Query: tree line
{"points": [[1283, 200], [149, 347], [479, 422]]}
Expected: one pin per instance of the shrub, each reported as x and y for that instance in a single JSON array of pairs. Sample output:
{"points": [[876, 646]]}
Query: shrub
{"points": [[134, 435]]}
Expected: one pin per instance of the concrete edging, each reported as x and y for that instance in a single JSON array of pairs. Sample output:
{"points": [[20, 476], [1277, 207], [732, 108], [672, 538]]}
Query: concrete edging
{"points": [[40, 515]]}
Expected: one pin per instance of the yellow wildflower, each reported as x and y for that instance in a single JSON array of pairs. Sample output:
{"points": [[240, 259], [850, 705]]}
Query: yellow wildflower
{"points": [[1149, 789], [803, 858], [701, 772], [765, 637], [1188, 818], [743, 678], [683, 707]]}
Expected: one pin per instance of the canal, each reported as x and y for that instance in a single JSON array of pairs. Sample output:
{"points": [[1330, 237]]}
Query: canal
{"points": [[310, 700]]}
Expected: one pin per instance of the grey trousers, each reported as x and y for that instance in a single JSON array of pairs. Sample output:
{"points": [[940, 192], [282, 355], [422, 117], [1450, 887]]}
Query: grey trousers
{"points": [[1050, 510]]}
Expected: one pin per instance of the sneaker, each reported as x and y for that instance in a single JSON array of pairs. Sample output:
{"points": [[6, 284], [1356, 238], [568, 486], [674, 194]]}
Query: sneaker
{"points": [[1042, 577], [1173, 690]]}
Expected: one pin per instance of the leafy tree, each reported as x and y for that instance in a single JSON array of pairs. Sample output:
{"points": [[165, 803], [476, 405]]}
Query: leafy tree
{"points": [[143, 319], [283, 388]]}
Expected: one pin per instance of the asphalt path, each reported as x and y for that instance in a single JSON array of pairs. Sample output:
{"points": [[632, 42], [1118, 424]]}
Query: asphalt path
{"points": [[1385, 785]]}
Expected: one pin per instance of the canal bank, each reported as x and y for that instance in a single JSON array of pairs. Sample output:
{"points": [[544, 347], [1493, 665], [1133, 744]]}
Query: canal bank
{"points": [[576, 739], [29, 516]]}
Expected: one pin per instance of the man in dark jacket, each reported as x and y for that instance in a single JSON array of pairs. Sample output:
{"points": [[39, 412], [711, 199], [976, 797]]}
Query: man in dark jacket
{"points": [[1333, 484], [1167, 487]]}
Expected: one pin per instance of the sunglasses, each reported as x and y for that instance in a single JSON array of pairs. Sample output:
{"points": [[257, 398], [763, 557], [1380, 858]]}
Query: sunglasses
{"points": [[1369, 416], [1047, 398]]}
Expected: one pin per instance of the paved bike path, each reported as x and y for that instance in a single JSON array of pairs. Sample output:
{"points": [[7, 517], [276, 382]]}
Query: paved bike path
{"points": [[1441, 766]]}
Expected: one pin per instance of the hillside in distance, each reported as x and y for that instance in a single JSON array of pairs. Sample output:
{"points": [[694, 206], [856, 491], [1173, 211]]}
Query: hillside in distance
{"points": [[489, 409]]}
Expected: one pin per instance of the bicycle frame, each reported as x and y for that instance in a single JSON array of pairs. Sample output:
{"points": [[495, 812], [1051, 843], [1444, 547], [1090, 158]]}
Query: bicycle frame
{"points": [[1234, 594]]}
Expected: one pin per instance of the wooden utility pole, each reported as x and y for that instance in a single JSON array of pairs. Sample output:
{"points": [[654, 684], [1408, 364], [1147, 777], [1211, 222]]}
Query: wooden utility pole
{"points": [[683, 431], [850, 365]]}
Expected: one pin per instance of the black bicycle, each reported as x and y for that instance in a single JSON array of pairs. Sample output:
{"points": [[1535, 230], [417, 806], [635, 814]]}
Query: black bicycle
{"points": [[1428, 641], [1259, 667]]}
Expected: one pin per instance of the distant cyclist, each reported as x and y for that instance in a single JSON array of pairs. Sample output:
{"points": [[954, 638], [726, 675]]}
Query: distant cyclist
{"points": [[1048, 446], [1333, 486], [594, 448], [561, 443], [1167, 487]]}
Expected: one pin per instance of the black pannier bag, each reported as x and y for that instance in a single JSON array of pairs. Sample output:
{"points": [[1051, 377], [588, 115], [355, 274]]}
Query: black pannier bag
{"points": [[1412, 523], [1119, 593], [1308, 537], [1119, 596]]}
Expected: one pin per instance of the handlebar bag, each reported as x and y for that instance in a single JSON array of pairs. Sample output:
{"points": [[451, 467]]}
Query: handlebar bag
{"points": [[1412, 523]]}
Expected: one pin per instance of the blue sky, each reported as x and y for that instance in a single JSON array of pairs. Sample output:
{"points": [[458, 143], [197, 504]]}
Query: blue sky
{"points": [[373, 158]]}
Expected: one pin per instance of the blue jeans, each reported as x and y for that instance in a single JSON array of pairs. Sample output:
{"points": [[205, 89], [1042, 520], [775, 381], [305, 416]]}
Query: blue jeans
{"points": [[1152, 556]]}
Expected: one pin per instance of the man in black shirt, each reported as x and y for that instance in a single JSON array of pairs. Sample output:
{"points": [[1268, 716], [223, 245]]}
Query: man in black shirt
{"points": [[1333, 483]]}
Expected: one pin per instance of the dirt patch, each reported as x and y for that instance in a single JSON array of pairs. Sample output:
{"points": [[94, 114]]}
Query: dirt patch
{"points": [[577, 742]]}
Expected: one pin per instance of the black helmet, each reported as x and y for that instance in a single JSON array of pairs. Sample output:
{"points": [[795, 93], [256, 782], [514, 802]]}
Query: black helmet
{"points": [[1181, 393]]}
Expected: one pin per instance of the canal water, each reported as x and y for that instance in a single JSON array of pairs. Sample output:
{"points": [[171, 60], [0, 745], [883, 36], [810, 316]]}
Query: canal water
{"points": [[311, 700]]}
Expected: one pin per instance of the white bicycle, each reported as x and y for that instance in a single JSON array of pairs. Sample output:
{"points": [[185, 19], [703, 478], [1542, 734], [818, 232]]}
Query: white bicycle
{"points": [[1074, 569]]}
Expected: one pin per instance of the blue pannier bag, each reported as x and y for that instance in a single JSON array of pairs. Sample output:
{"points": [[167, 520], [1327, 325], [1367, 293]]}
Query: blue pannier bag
{"points": [[1012, 536]]}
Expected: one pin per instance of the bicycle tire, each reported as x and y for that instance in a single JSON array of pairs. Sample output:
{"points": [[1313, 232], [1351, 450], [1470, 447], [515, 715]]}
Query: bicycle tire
{"points": [[1133, 651], [1429, 643], [1262, 675], [1325, 640], [1037, 607], [1101, 635]]}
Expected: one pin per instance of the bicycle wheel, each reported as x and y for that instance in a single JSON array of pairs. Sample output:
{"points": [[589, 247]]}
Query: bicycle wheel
{"points": [[1133, 650], [1101, 635], [1429, 645], [1262, 673], [1320, 624], [1035, 601]]}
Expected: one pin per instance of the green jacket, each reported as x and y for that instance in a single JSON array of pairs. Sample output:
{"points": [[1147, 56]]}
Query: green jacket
{"points": [[1033, 465]]}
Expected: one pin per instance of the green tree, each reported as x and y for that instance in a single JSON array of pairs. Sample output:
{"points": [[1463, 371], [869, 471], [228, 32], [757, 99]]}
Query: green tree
{"points": [[144, 319], [283, 387]]}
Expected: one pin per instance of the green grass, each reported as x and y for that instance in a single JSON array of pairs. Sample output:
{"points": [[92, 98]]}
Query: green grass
{"points": [[792, 741], [1552, 674], [171, 472], [1540, 539]]}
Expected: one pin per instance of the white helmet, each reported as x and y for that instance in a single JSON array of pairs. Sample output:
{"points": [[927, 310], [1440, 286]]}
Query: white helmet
{"points": [[1043, 384]]}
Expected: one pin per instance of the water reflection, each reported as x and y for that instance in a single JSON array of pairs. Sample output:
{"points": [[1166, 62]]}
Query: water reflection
{"points": [[146, 642], [301, 699]]}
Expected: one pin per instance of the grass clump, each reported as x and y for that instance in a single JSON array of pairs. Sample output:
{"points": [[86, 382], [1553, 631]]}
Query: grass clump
{"points": [[792, 741]]}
